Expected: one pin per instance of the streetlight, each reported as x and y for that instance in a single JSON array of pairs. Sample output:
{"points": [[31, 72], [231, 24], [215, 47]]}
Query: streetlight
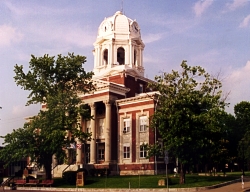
{"points": [[243, 154]]}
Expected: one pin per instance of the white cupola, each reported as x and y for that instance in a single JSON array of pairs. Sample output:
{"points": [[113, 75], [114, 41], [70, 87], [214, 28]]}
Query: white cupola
{"points": [[118, 46]]}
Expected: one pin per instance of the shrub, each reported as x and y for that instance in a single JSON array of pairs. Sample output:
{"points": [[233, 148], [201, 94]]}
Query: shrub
{"points": [[70, 177], [19, 173]]}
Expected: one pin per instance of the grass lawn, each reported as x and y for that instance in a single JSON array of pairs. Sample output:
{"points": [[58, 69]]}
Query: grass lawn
{"points": [[151, 181]]}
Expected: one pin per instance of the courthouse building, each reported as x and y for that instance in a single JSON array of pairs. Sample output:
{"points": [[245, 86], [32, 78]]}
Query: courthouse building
{"points": [[121, 104]]}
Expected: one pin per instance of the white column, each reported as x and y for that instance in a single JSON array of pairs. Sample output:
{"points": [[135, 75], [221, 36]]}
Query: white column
{"points": [[140, 57], [79, 142], [93, 140], [112, 60], [109, 58], [79, 152], [108, 132], [98, 56], [130, 54], [94, 54]]}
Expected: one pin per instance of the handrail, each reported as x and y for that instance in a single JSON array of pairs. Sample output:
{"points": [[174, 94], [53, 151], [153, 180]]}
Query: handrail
{"points": [[54, 167], [7, 181], [66, 168]]}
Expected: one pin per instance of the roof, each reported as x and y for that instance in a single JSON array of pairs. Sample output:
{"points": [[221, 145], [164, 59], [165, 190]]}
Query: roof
{"points": [[118, 24]]}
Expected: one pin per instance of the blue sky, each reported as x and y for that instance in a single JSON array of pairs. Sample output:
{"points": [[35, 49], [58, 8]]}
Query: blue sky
{"points": [[214, 34]]}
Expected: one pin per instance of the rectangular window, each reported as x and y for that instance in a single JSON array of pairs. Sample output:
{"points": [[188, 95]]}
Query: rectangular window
{"points": [[101, 154], [126, 125], [143, 152], [87, 153], [126, 152], [88, 128], [101, 127], [143, 123], [160, 144]]}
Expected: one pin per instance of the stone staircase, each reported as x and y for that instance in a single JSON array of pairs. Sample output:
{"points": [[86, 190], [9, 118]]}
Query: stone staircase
{"points": [[60, 169]]}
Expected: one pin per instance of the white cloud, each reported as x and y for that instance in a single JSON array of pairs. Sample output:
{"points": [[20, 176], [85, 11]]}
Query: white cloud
{"points": [[245, 22], [237, 83], [9, 35], [21, 8], [152, 38], [16, 10], [236, 4], [19, 110], [201, 6], [61, 35], [22, 111]]}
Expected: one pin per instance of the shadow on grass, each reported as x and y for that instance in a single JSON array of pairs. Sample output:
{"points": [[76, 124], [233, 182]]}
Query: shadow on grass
{"points": [[90, 182], [151, 181]]}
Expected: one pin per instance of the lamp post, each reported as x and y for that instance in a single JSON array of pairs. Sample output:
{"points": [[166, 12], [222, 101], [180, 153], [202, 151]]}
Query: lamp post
{"points": [[243, 155]]}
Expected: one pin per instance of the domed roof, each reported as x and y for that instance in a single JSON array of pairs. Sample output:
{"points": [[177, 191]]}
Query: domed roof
{"points": [[118, 24]]}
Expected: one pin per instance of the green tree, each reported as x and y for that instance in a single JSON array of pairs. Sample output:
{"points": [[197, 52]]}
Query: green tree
{"points": [[244, 151], [242, 115], [226, 150], [55, 82], [187, 117]]}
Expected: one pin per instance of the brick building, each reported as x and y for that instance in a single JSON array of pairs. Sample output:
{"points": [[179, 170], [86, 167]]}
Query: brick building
{"points": [[121, 104]]}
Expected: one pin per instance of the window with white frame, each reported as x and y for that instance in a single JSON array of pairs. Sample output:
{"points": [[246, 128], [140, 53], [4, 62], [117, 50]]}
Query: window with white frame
{"points": [[143, 152], [101, 127], [143, 123], [88, 128], [101, 154], [126, 125], [126, 151]]}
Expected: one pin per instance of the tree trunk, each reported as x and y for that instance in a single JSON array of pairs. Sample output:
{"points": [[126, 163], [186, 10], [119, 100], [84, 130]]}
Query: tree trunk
{"points": [[197, 168], [47, 167], [206, 170], [182, 174]]}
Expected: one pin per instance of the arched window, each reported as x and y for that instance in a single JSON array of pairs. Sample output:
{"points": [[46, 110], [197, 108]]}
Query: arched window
{"points": [[121, 56], [105, 57]]}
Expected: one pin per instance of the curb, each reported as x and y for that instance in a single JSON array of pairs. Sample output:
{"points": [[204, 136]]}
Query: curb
{"points": [[193, 189]]}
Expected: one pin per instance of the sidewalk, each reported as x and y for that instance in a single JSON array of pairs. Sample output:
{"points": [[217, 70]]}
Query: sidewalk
{"points": [[234, 187]]}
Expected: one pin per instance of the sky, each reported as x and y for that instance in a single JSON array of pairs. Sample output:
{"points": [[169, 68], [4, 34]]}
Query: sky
{"points": [[213, 34]]}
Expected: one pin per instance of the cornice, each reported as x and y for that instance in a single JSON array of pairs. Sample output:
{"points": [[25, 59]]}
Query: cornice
{"points": [[104, 86], [138, 98]]}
